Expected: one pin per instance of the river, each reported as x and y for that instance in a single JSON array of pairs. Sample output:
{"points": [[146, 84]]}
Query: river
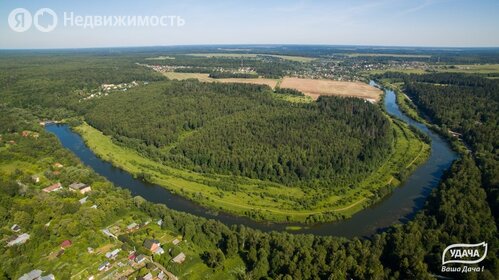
{"points": [[398, 207]]}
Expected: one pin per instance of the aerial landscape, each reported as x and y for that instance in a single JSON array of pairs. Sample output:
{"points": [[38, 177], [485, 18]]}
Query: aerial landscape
{"points": [[249, 140]]}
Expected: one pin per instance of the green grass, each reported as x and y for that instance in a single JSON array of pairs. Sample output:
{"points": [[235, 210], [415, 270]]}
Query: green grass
{"points": [[467, 69], [470, 69], [257, 199], [294, 98]]}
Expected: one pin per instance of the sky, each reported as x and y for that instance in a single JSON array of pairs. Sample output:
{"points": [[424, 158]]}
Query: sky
{"points": [[436, 23]]}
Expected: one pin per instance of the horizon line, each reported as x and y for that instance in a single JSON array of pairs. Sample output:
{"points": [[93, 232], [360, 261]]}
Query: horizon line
{"points": [[258, 44]]}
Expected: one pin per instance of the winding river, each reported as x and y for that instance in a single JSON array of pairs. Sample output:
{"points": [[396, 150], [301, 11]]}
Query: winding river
{"points": [[399, 206]]}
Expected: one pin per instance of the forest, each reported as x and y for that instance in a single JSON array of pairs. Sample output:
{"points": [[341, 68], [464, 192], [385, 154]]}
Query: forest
{"points": [[242, 130], [462, 209], [467, 105], [456, 212]]}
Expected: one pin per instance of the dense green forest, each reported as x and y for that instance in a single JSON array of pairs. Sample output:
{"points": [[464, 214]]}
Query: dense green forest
{"points": [[34, 88], [241, 129], [467, 105], [55, 81], [456, 212]]}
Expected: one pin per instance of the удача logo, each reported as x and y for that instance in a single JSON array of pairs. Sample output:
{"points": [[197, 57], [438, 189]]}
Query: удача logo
{"points": [[464, 253]]}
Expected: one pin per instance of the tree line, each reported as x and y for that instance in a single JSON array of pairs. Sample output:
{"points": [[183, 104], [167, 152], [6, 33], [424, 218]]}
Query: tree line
{"points": [[242, 130]]}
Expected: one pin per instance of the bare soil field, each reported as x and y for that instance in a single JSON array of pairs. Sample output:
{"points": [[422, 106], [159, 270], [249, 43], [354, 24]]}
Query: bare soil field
{"points": [[310, 87], [315, 88], [205, 78]]}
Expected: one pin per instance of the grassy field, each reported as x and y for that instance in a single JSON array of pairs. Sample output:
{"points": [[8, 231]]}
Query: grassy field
{"points": [[470, 69], [253, 55], [261, 200], [467, 69], [315, 88]]}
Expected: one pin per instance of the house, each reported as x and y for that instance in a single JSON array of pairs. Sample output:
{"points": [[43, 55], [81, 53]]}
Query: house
{"points": [[18, 240], [160, 222], [112, 254], [58, 165], [132, 227], [180, 258], [80, 187], [132, 256], [140, 258], [83, 200], [15, 228], [154, 246], [66, 244], [104, 266], [148, 276], [94, 206], [32, 275], [36, 179], [53, 188], [175, 241]]}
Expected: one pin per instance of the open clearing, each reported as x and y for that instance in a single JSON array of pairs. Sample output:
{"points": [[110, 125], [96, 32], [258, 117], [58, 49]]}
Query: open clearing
{"points": [[310, 87], [202, 77], [254, 55], [467, 69], [160, 58], [315, 88], [262, 200]]}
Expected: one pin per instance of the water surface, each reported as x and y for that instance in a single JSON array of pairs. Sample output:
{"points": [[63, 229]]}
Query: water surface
{"points": [[399, 206]]}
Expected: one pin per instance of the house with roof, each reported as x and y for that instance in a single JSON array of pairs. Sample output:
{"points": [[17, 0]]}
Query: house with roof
{"points": [[66, 244], [20, 239], [58, 165], [148, 276], [112, 254], [140, 258], [175, 241], [53, 188], [104, 266], [35, 179], [36, 274], [15, 228], [180, 258], [80, 187], [83, 200], [154, 246], [132, 227]]}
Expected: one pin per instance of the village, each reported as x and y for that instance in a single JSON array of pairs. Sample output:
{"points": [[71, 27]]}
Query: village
{"points": [[134, 244], [106, 89]]}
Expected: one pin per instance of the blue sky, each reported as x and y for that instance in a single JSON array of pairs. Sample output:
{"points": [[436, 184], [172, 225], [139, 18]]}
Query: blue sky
{"points": [[452, 23]]}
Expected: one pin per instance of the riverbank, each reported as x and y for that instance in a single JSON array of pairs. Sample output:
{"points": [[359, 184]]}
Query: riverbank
{"points": [[399, 205], [257, 199]]}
